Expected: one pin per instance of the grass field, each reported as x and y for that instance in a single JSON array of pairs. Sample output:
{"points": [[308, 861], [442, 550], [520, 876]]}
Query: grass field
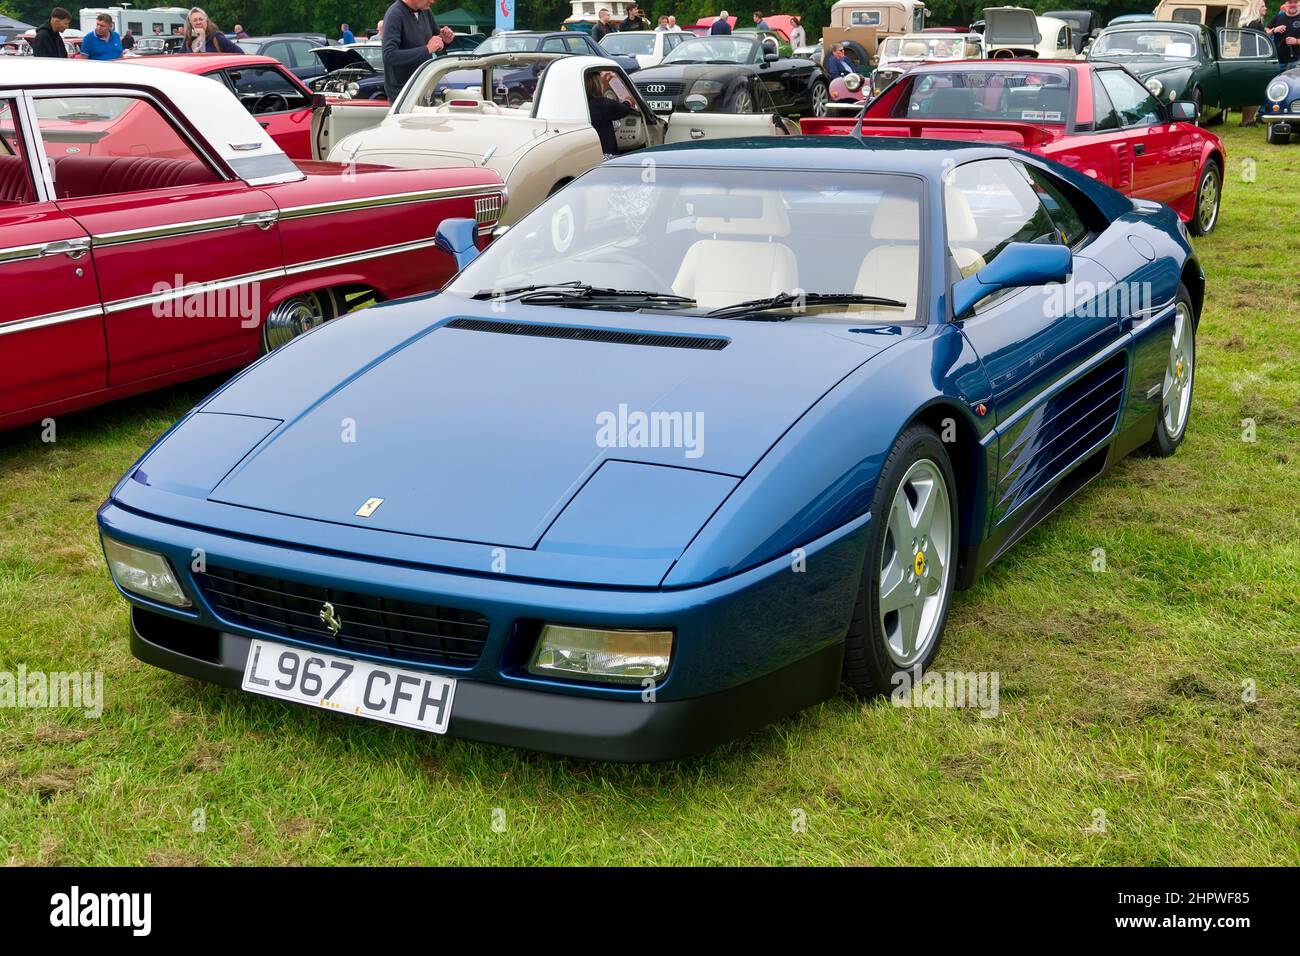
{"points": [[1126, 732]]}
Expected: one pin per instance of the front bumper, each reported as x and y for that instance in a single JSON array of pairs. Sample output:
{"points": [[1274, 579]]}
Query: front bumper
{"points": [[748, 649]]}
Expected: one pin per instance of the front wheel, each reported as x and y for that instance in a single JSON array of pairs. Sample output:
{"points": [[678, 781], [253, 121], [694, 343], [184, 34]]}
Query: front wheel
{"points": [[1208, 193], [1180, 373], [742, 101], [910, 569], [820, 96], [298, 314]]}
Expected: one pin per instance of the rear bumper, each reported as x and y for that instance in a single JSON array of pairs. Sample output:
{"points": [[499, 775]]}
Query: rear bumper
{"points": [[621, 730]]}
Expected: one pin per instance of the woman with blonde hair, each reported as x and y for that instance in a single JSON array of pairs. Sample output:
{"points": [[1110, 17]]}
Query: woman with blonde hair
{"points": [[204, 36]]}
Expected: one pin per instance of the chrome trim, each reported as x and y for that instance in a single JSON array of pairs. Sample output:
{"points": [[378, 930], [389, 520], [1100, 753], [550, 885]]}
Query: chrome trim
{"points": [[396, 199], [301, 267], [39, 172], [20, 253], [167, 231], [54, 318], [72, 248], [197, 288]]}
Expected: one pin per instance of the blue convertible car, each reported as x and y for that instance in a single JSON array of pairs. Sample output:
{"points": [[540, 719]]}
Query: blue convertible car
{"points": [[710, 431]]}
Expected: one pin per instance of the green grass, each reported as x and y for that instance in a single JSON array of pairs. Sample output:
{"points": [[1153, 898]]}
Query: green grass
{"points": [[1120, 691]]}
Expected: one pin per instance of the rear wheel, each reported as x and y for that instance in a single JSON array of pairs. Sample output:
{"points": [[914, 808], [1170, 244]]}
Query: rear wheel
{"points": [[910, 569], [1176, 390], [299, 314], [820, 96], [1208, 193], [1198, 103]]}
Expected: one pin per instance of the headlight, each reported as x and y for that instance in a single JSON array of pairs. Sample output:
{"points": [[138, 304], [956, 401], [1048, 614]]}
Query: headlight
{"points": [[853, 82], [1155, 86], [706, 87], [1277, 90], [144, 573], [623, 657], [353, 89]]}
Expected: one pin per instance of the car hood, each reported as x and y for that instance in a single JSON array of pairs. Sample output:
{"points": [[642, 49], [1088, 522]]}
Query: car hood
{"points": [[688, 73], [484, 436], [336, 58], [1147, 67], [440, 139]]}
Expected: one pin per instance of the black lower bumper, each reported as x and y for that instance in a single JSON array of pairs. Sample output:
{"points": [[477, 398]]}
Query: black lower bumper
{"points": [[542, 720]]}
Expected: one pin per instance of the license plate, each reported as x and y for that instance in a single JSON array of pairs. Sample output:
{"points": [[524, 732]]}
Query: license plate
{"points": [[360, 688], [661, 106]]}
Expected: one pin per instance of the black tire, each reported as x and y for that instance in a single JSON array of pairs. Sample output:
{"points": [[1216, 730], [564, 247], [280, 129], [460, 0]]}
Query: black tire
{"points": [[1274, 138], [741, 100], [819, 96], [1211, 179], [1164, 442], [869, 668], [1197, 101], [307, 310]]}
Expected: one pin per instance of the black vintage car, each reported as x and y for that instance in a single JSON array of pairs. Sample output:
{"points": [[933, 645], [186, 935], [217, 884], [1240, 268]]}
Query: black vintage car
{"points": [[734, 74], [356, 71]]}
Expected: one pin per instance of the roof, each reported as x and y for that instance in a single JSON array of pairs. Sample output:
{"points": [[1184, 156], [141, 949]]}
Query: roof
{"points": [[203, 62], [218, 115]]}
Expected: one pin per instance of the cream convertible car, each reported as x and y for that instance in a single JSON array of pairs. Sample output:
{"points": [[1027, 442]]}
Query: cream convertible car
{"points": [[537, 147]]}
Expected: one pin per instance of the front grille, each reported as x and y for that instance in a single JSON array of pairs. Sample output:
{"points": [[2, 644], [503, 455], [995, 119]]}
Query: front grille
{"points": [[1295, 106], [487, 209], [659, 90], [386, 627]]}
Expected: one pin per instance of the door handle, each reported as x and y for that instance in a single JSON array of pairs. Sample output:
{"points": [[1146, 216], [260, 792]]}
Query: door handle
{"points": [[1139, 149], [262, 220], [263, 125], [697, 133], [72, 248]]}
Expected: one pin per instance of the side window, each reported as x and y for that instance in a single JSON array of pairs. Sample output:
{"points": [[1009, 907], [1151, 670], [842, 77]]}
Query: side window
{"points": [[302, 53], [1103, 111], [279, 51], [579, 44], [102, 144], [264, 89], [989, 204], [1133, 102], [1186, 15], [1243, 44], [15, 175], [553, 45], [1068, 222]]}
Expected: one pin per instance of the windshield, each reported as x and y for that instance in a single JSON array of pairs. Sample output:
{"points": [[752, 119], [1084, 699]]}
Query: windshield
{"points": [[250, 46], [374, 55], [81, 109], [925, 48], [719, 238], [1166, 44], [629, 44], [507, 44], [1025, 95], [719, 49]]}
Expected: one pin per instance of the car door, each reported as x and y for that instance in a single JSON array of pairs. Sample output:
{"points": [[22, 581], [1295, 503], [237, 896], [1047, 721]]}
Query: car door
{"points": [[1165, 154], [51, 326], [1056, 361], [1106, 152], [184, 255], [279, 102], [1247, 63]]}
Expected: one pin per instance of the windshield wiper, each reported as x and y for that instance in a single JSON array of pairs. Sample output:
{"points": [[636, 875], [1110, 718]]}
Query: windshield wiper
{"points": [[582, 294], [799, 300]]}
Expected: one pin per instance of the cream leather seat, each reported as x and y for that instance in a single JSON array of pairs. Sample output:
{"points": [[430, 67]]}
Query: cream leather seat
{"points": [[892, 268], [717, 272], [962, 231]]}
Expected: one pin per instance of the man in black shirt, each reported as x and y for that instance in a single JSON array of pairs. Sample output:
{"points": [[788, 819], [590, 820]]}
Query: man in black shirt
{"points": [[49, 35], [411, 36], [603, 27], [634, 21], [1285, 31]]}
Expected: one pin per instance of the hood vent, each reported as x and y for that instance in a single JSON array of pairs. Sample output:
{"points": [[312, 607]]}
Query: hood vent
{"points": [[613, 336]]}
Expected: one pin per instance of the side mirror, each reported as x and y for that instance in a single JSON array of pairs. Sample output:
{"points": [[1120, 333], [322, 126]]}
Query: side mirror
{"points": [[318, 101], [1018, 264], [1182, 111], [459, 239], [770, 57]]}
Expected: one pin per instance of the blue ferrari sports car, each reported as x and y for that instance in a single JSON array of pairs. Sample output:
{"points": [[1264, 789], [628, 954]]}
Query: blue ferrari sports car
{"points": [[713, 430]]}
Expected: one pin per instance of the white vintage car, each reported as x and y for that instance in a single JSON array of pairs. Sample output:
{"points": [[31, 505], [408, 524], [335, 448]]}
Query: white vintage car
{"points": [[648, 46], [536, 147], [1017, 32]]}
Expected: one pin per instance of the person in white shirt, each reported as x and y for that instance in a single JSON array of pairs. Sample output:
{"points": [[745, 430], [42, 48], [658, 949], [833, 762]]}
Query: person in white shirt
{"points": [[672, 24], [797, 37]]}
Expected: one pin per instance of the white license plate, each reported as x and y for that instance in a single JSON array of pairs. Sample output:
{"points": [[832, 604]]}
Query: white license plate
{"points": [[661, 106], [360, 688]]}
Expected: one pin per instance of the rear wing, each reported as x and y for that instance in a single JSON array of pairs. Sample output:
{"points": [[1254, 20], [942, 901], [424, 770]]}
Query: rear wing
{"points": [[1002, 132]]}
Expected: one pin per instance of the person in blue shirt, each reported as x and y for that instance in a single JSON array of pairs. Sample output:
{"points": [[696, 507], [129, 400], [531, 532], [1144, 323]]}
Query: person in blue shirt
{"points": [[347, 36], [759, 22], [720, 26], [102, 43], [837, 64]]}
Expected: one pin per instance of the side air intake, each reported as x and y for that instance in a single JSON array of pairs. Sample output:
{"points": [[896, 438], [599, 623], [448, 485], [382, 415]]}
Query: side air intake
{"points": [[612, 336]]}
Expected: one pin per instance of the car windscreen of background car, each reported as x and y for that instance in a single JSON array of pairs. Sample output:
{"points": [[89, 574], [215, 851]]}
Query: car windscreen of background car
{"points": [[1039, 95], [629, 44], [1155, 43], [720, 236], [720, 49], [507, 45]]}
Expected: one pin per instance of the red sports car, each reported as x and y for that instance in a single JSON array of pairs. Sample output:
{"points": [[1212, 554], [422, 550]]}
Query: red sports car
{"points": [[1094, 117], [152, 231], [273, 95]]}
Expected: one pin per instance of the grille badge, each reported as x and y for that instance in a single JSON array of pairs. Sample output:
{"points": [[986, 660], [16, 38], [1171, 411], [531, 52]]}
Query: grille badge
{"points": [[328, 618]]}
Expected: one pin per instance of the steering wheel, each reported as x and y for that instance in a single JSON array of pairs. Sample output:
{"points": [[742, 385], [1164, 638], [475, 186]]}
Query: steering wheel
{"points": [[274, 98]]}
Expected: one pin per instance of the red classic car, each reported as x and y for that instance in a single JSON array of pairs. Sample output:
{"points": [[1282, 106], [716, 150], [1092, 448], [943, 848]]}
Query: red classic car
{"points": [[273, 95], [1093, 117], [130, 262]]}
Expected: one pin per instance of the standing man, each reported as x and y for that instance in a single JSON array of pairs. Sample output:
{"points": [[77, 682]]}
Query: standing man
{"points": [[720, 26], [411, 36], [346, 35], [797, 36], [49, 35], [603, 27], [1285, 30], [759, 22], [634, 21], [102, 43]]}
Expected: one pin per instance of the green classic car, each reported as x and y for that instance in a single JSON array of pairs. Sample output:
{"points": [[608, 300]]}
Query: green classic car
{"points": [[1217, 70]]}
